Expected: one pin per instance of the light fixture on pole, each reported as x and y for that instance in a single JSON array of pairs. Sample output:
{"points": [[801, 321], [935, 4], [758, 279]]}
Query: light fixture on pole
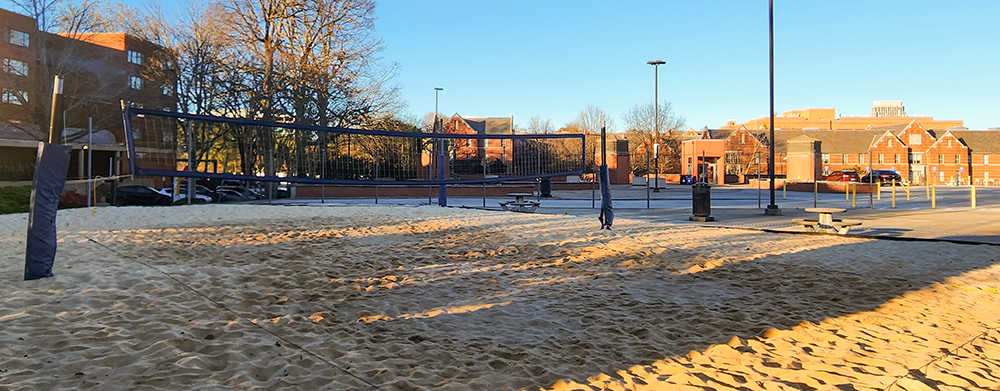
{"points": [[656, 118]]}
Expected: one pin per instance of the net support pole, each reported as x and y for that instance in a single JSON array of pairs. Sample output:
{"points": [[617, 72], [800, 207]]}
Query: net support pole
{"points": [[191, 191], [90, 160]]}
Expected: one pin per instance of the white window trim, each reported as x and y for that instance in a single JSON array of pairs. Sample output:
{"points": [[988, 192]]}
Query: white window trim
{"points": [[20, 70], [26, 41], [135, 83], [134, 57], [17, 98]]}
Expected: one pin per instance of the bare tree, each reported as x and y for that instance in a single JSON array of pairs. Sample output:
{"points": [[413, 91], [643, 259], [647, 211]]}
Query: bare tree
{"points": [[643, 133], [590, 119], [537, 125]]}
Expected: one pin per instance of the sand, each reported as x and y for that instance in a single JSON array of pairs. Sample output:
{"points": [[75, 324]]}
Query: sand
{"points": [[415, 298]]}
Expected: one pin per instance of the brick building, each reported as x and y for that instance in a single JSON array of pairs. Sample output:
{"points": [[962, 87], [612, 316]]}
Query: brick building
{"points": [[920, 155], [99, 72], [468, 156]]}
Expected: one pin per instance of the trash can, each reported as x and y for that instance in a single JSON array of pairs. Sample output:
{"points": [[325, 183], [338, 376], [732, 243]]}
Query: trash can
{"points": [[701, 202], [545, 189]]}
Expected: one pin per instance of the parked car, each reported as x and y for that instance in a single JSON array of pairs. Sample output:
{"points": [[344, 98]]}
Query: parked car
{"points": [[883, 177], [139, 195], [232, 193], [843, 176], [203, 191]]}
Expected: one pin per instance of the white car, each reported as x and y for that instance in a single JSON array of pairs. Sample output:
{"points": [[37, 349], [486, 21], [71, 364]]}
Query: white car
{"points": [[182, 195]]}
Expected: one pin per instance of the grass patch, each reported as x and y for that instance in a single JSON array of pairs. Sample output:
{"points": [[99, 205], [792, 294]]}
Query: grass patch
{"points": [[14, 199]]}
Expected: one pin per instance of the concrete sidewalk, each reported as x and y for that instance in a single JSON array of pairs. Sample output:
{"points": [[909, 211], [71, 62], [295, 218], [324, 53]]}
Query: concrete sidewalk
{"points": [[969, 226]]}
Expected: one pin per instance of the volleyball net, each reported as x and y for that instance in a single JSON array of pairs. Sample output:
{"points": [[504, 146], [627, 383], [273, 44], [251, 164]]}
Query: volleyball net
{"points": [[168, 144]]}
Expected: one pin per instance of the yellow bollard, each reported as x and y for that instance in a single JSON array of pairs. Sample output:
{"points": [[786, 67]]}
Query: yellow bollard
{"points": [[933, 197], [973, 197], [854, 196], [907, 189], [894, 194], [784, 189], [847, 190], [928, 188], [878, 191]]}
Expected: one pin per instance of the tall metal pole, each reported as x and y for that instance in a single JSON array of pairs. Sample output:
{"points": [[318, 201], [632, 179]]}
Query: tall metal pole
{"points": [[56, 120], [442, 195], [772, 208], [656, 119], [656, 163], [90, 158], [191, 187]]}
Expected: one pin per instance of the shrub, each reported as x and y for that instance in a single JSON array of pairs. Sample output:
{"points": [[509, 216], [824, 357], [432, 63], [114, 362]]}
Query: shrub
{"points": [[15, 199], [72, 199]]}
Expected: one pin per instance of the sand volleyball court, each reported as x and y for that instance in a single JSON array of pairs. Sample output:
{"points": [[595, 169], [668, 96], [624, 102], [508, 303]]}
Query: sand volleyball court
{"points": [[426, 298]]}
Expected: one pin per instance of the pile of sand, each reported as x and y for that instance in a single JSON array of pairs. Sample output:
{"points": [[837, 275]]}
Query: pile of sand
{"points": [[243, 296]]}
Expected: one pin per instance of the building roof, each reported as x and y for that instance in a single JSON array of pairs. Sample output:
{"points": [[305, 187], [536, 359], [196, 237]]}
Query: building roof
{"points": [[979, 141], [490, 125], [833, 141]]}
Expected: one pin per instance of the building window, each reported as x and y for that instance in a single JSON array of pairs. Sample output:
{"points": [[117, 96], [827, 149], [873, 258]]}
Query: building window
{"points": [[958, 159], [889, 141], [17, 98], [743, 137], [941, 176], [881, 158], [135, 82], [915, 139], [14, 67], [843, 158], [895, 159], [949, 143], [826, 158], [917, 158], [134, 57], [19, 38], [940, 158], [986, 160], [861, 158]]}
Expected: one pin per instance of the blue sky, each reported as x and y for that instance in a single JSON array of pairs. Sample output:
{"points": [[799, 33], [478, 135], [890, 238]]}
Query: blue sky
{"points": [[553, 58]]}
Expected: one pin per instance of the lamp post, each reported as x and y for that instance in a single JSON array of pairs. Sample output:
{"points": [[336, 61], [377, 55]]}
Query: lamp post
{"points": [[442, 195], [772, 208], [656, 119]]}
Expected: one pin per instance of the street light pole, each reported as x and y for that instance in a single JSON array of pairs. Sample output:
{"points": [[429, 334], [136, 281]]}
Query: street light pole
{"points": [[442, 195], [656, 119], [772, 208]]}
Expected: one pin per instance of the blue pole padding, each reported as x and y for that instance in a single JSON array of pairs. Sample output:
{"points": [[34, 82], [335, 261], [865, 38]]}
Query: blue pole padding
{"points": [[51, 165]]}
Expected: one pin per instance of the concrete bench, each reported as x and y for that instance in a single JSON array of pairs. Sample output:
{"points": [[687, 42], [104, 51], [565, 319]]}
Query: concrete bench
{"points": [[513, 206], [838, 226]]}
